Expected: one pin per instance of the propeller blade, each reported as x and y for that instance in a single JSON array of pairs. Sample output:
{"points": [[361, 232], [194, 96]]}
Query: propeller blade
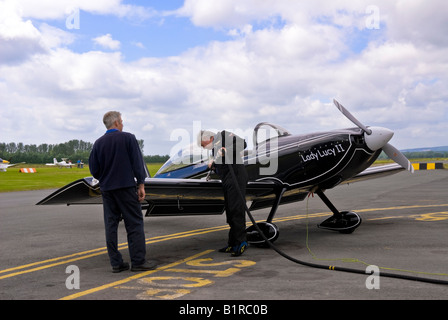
{"points": [[349, 116], [398, 157]]}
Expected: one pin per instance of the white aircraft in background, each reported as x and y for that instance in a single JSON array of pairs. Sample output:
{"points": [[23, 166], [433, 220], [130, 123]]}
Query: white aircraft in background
{"points": [[61, 164], [5, 164]]}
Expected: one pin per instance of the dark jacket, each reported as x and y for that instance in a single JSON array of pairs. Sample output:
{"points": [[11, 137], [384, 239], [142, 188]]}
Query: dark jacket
{"points": [[234, 146], [116, 161]]}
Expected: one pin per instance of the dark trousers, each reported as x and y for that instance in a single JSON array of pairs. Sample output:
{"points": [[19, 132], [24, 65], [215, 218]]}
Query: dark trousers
{"points": [[124, 203], [235, 207]]}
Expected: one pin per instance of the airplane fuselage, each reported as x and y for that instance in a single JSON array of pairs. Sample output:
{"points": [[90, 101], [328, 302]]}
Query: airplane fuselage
{"points": [[321, 159]]}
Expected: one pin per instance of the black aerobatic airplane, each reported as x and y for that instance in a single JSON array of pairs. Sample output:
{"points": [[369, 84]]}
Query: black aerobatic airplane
{"points": [[304, 163]]}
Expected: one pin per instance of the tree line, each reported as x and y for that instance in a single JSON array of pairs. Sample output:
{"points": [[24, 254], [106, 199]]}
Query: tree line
{"points": [[80, 150], [73, 150], [420, 155]]}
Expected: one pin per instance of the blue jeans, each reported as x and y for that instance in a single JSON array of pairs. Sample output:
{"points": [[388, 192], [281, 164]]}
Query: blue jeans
{"points": [[124, 203]]}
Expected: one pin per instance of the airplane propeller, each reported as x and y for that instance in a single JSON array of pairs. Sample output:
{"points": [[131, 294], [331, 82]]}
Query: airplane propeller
{"points": [[378, 138], [349, 116], [398, 157]]}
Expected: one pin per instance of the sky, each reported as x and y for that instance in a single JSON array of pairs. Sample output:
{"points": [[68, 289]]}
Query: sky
{"points": [[173, 67]]}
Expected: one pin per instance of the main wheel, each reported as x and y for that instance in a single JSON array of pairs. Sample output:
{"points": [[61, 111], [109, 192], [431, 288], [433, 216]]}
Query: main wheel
{"points": [[269, 230], [347, 222]]}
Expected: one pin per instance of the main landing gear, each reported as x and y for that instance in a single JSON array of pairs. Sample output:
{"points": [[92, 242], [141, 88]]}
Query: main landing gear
{"points": [[341, 221], [269, 229], [344, 221]]}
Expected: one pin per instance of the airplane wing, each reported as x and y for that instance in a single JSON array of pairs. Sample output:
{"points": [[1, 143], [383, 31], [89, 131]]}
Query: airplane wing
{"points": [[14, 164], [374, 172], [165, 196], [4, 166]]}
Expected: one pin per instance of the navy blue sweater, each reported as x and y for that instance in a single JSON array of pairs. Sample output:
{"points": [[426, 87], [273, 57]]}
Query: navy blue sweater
{"points": [[116, 160]]}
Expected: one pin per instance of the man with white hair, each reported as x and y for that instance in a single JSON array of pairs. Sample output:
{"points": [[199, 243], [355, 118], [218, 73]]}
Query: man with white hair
{"points": [[117, 162], [227, 149]]}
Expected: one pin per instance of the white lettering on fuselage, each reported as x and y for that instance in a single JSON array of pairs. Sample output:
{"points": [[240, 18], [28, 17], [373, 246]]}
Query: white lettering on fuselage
{"points": [[319, 154]]}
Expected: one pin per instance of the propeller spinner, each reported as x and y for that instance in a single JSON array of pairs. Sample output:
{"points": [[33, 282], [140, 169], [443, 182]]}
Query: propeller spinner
{"points": [[378, 138]]}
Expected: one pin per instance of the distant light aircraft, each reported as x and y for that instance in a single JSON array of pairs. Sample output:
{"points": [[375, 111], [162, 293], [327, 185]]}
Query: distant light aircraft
{"points": [[308, 163], [5, 164], [61, 164]]}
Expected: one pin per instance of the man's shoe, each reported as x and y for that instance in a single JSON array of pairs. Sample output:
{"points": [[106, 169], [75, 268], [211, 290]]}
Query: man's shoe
{"points": [[239, 249], [148, 265], [122, 267], [226, 249]]}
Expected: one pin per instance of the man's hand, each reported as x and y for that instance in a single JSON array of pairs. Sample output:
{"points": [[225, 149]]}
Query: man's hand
{"points": [[222, 151], [141, 192]]}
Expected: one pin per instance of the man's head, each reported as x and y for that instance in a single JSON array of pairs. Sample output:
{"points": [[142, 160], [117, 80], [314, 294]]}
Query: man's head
{"points": [[112, 120], [205, 139]]}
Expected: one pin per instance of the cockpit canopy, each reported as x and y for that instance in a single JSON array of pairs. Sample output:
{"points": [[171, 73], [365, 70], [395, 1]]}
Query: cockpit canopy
{"points": [[271, 131], [187, 156], [196, 157]]}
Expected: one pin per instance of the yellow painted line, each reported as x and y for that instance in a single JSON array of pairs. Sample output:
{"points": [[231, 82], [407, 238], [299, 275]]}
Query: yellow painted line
{"points": [[137, 276], [46, 266], [99, 251], [433, 216], [185, 234], [404, 207], [322, 214], [385, 218], [50, 260]]}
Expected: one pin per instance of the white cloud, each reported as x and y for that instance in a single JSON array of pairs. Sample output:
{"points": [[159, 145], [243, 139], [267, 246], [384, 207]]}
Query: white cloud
{"points": [[138, 44], [19, 39], [54, 37], [237, 14], [420, 22], [107, 42], [57, 9]]}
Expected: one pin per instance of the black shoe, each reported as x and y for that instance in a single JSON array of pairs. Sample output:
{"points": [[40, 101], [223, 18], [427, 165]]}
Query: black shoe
{"points": [[226, 249], [122, 267], [148, 265], [239, 249]]}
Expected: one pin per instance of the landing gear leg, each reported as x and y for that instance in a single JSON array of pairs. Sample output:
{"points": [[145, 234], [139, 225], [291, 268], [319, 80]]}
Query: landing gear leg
{"points": [[344, 221], [269, 229]]}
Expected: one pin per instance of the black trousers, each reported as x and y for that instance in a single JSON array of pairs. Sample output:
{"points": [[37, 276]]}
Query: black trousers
{"points": [[124, 203], [234, 205]]}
